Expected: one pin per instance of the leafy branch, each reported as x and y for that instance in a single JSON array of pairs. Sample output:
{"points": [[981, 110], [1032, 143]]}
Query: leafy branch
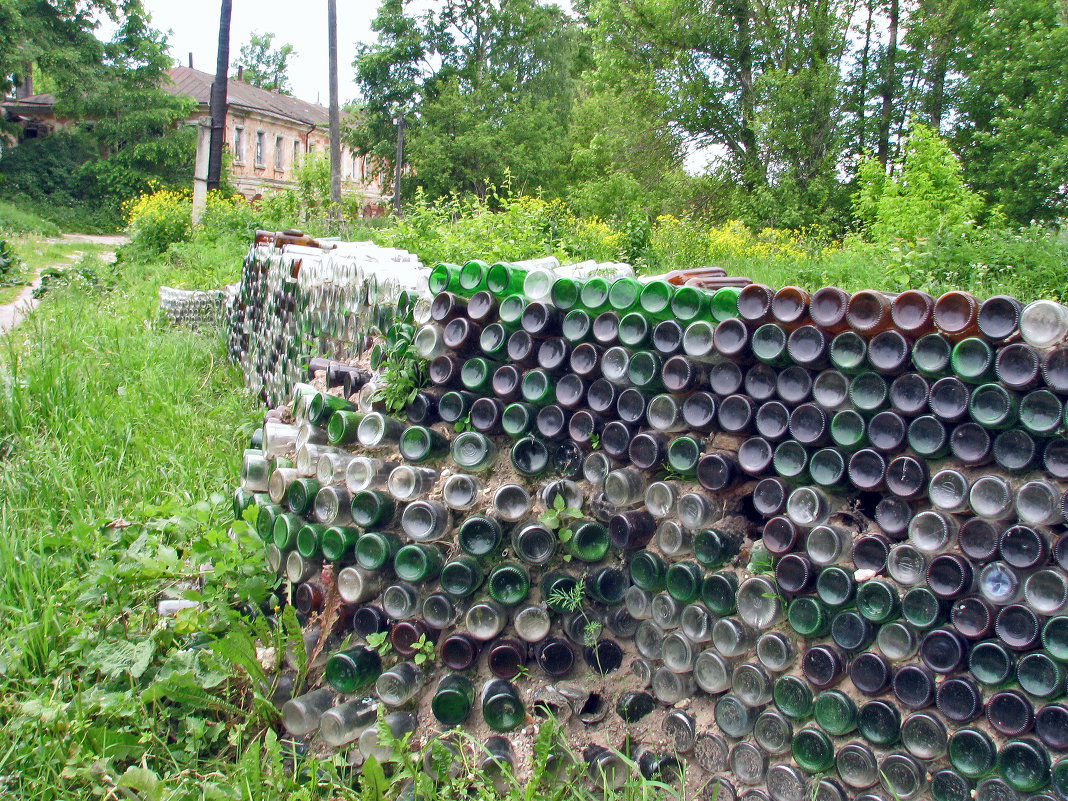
{"points": [[402, 374]]}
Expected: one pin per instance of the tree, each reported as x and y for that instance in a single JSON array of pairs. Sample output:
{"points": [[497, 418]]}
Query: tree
{"points": [[57, 36], [134, 126], [139, 128], [756, 81], [486, 87], [263, 65], [923, 195], [622, 158], [1013, 112]]}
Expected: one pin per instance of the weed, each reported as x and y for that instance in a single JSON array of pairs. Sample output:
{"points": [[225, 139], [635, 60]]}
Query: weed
{"points": [[558, 516], [569, 600], [379, 640], [424, 650], [592, 632], [760, 563], [403, 375]]}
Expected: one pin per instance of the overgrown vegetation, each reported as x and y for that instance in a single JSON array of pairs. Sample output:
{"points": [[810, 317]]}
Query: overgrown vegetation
{"points": [[916, 229], [207, 255], [121, 130], [15, 219], [110, 452]]}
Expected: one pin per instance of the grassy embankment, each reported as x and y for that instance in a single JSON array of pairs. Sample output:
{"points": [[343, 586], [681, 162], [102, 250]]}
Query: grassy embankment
{"points": [[113, 432]]}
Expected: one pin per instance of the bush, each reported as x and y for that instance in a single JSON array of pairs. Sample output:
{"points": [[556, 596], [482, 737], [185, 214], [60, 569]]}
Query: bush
{"points": [[454, 229], [156, 221], [307, 206], [47, 167], [925, 194], [228, 217], [162, 219]]}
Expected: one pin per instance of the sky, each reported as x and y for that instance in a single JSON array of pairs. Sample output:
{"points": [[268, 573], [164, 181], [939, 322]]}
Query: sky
{"points": [[194, 28]]}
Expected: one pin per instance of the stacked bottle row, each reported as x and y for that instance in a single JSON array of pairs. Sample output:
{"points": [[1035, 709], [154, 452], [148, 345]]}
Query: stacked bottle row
{"points": [[299, 299], [195, 309], [505, 366]]}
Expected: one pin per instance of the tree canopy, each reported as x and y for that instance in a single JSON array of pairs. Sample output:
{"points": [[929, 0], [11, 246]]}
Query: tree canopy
{"points": [[128, 131], [263, 65], [486, 87], [783, 99]]}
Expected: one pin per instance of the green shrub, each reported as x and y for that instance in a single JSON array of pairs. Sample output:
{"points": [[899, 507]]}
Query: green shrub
{"points": [[47, 166], [158, 220], [924, 195], [501, 227], [307, 205], [203, 263]]}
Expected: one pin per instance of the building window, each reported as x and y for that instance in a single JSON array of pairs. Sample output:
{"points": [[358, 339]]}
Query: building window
{"points": [[296, 151], [239, 144], [279, 154], [260, 145]]}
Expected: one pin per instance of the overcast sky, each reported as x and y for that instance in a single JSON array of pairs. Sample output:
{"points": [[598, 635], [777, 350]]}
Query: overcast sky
{"points": [[194, 27]]}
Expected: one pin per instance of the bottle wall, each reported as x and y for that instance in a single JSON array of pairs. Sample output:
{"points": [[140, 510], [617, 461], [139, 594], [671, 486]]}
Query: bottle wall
{"points": [[812, 545]]}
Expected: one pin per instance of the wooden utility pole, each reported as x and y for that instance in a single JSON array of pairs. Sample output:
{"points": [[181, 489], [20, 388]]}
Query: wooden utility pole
{"points": [[335, 115], [398, 164], [218, 99]]}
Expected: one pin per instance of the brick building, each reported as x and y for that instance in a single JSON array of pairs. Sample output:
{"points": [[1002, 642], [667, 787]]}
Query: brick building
{"points": [[267, 133]]}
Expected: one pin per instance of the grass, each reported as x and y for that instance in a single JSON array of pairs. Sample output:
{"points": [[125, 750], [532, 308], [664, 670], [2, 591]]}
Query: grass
{"points": [[25, 215], [103, 417], [15, 218], [36, 254]]}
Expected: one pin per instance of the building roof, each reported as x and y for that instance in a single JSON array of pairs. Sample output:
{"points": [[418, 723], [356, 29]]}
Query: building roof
{"points": [[188, 82]]}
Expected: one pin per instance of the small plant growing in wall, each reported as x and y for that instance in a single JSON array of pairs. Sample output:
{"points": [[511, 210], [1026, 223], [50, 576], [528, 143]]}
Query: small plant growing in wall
{"points": [[569, 600], [403, 375], [424, 650], [379, 640], [559, 516]]}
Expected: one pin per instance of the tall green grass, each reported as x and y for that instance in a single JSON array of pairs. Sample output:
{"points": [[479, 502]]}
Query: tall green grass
{"points": [[104, 416], [16, 219]]}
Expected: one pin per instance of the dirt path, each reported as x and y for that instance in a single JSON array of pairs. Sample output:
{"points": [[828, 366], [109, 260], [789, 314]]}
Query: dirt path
{"points": [[11, 314]]}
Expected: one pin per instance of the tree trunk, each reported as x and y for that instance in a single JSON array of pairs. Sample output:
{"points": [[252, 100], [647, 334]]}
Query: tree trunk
{"points": [[335, 114], [938, 85], [888, 84], [398, 166], [218, 99], [862, 100], [747, 136]]}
